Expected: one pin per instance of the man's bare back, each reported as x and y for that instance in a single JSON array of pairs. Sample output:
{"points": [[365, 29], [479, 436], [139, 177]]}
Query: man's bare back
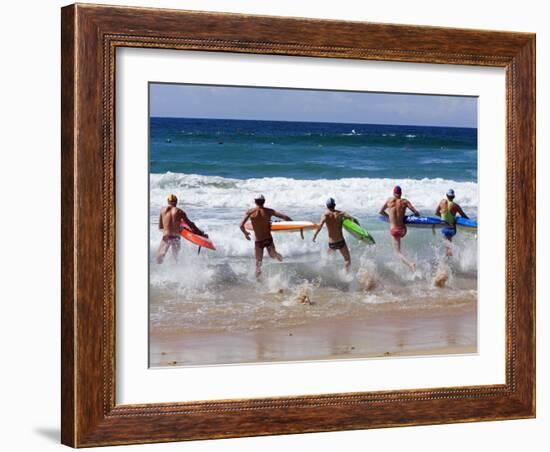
{"points": [[260, 217], [396, 211], [170, 220], [333, 219]]}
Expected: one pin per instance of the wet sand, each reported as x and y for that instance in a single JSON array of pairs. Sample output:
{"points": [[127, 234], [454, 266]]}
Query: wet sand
{"points": [[380, 333]]}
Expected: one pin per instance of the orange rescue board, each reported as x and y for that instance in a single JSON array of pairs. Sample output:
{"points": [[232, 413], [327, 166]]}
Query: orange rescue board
{"points": [[288, 226], [197, 239]]}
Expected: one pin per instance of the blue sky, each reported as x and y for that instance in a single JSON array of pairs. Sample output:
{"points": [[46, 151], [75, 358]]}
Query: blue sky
{"points": [[202, 101]]}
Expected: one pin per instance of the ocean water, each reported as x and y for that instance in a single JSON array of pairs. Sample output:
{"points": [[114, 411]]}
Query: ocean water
{"points": [[311, 151], [216, 167]]}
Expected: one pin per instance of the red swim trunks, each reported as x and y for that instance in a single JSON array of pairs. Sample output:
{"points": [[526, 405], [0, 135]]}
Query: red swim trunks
{"points": [[398, 232]]}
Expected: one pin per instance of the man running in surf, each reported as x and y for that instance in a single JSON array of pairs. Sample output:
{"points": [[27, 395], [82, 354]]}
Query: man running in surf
{"points": [[447, 209], [260, 217], [396, 208], [171, 221], [333, 219]]}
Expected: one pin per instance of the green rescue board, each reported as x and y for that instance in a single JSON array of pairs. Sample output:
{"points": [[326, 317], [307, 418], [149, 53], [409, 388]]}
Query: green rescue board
{"points": [[358, 232]]}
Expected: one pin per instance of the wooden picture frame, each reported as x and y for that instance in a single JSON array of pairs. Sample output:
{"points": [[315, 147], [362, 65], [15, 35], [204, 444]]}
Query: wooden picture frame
{"points": [[90, 36]]}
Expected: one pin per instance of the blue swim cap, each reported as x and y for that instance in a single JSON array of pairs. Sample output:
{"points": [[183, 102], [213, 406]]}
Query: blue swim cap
{"points": [[331, 202], [451, 193]]}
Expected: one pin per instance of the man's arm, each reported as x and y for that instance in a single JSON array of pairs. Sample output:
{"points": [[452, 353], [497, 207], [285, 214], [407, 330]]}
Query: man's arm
{"points": [[461, 212], [243, 229], [321, 224], [383, 210], [413, 210], [438, 210], [190, 224], [281, 216], [161, 224]]}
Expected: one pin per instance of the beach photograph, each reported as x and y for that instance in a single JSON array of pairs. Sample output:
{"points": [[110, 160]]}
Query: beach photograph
{"points": [[300, 225]]}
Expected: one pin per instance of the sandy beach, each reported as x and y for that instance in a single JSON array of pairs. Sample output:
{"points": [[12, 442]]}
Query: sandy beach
{"points": [[379, 333]]}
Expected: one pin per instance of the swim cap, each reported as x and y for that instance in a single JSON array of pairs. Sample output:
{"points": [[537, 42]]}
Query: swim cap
{"points": [[331, 202], [172, 198], [397, 190], [451, 193], [259, 198]]}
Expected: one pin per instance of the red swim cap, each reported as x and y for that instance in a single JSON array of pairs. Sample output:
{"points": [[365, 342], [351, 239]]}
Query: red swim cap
{"points": [[397, 190]]}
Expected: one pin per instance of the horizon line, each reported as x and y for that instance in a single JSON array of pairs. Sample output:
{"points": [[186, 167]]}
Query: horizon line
{"points": [[315, 122]]}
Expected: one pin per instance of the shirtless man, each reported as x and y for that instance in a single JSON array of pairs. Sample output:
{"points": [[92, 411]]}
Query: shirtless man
{"points": [[447, 209], [171, 221], [333, 219], [396, 208], [260, 217]]}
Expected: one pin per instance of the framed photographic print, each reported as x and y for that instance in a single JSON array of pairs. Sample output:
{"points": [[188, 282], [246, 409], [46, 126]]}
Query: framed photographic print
{"points": [[282, 225]]}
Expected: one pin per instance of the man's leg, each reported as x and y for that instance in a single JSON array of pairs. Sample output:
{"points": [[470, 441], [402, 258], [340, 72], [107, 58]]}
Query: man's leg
{"points": [[273, 253], [447, 240], [347, 257], [163, 249], [448, 250], [397, 249], [176, 245], [259, 252]]}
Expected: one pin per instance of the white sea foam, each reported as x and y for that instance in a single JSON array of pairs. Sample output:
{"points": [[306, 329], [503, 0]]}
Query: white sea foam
{"points": [[360, 194], [219, 288]]}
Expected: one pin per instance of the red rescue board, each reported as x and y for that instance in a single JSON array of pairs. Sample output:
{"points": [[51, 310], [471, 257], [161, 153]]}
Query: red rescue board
{"points": [[197, 239]]}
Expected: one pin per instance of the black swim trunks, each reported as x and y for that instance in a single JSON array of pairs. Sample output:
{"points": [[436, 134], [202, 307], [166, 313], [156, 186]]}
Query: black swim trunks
{"points": [[337, 245], [265, 243]]}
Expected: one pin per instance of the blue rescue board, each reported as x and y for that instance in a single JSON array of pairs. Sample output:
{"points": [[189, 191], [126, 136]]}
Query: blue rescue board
{"points": [[466, 224], [414, 221]]}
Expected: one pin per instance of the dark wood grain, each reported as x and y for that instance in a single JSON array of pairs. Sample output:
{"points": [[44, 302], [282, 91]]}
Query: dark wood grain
{"points": [[90, 36], [68, 310]]}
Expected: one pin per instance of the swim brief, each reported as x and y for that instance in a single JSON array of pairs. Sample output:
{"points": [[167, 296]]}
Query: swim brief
{"points": [[398, 232], [337, 245], [265, 243], [448, 232], [170, 238]]}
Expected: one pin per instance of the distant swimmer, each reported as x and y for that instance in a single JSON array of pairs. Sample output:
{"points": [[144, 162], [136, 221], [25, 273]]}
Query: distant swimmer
{"points": [[396, 208], [333, 219], [447, 209], [260, 217], [171, 221]]}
